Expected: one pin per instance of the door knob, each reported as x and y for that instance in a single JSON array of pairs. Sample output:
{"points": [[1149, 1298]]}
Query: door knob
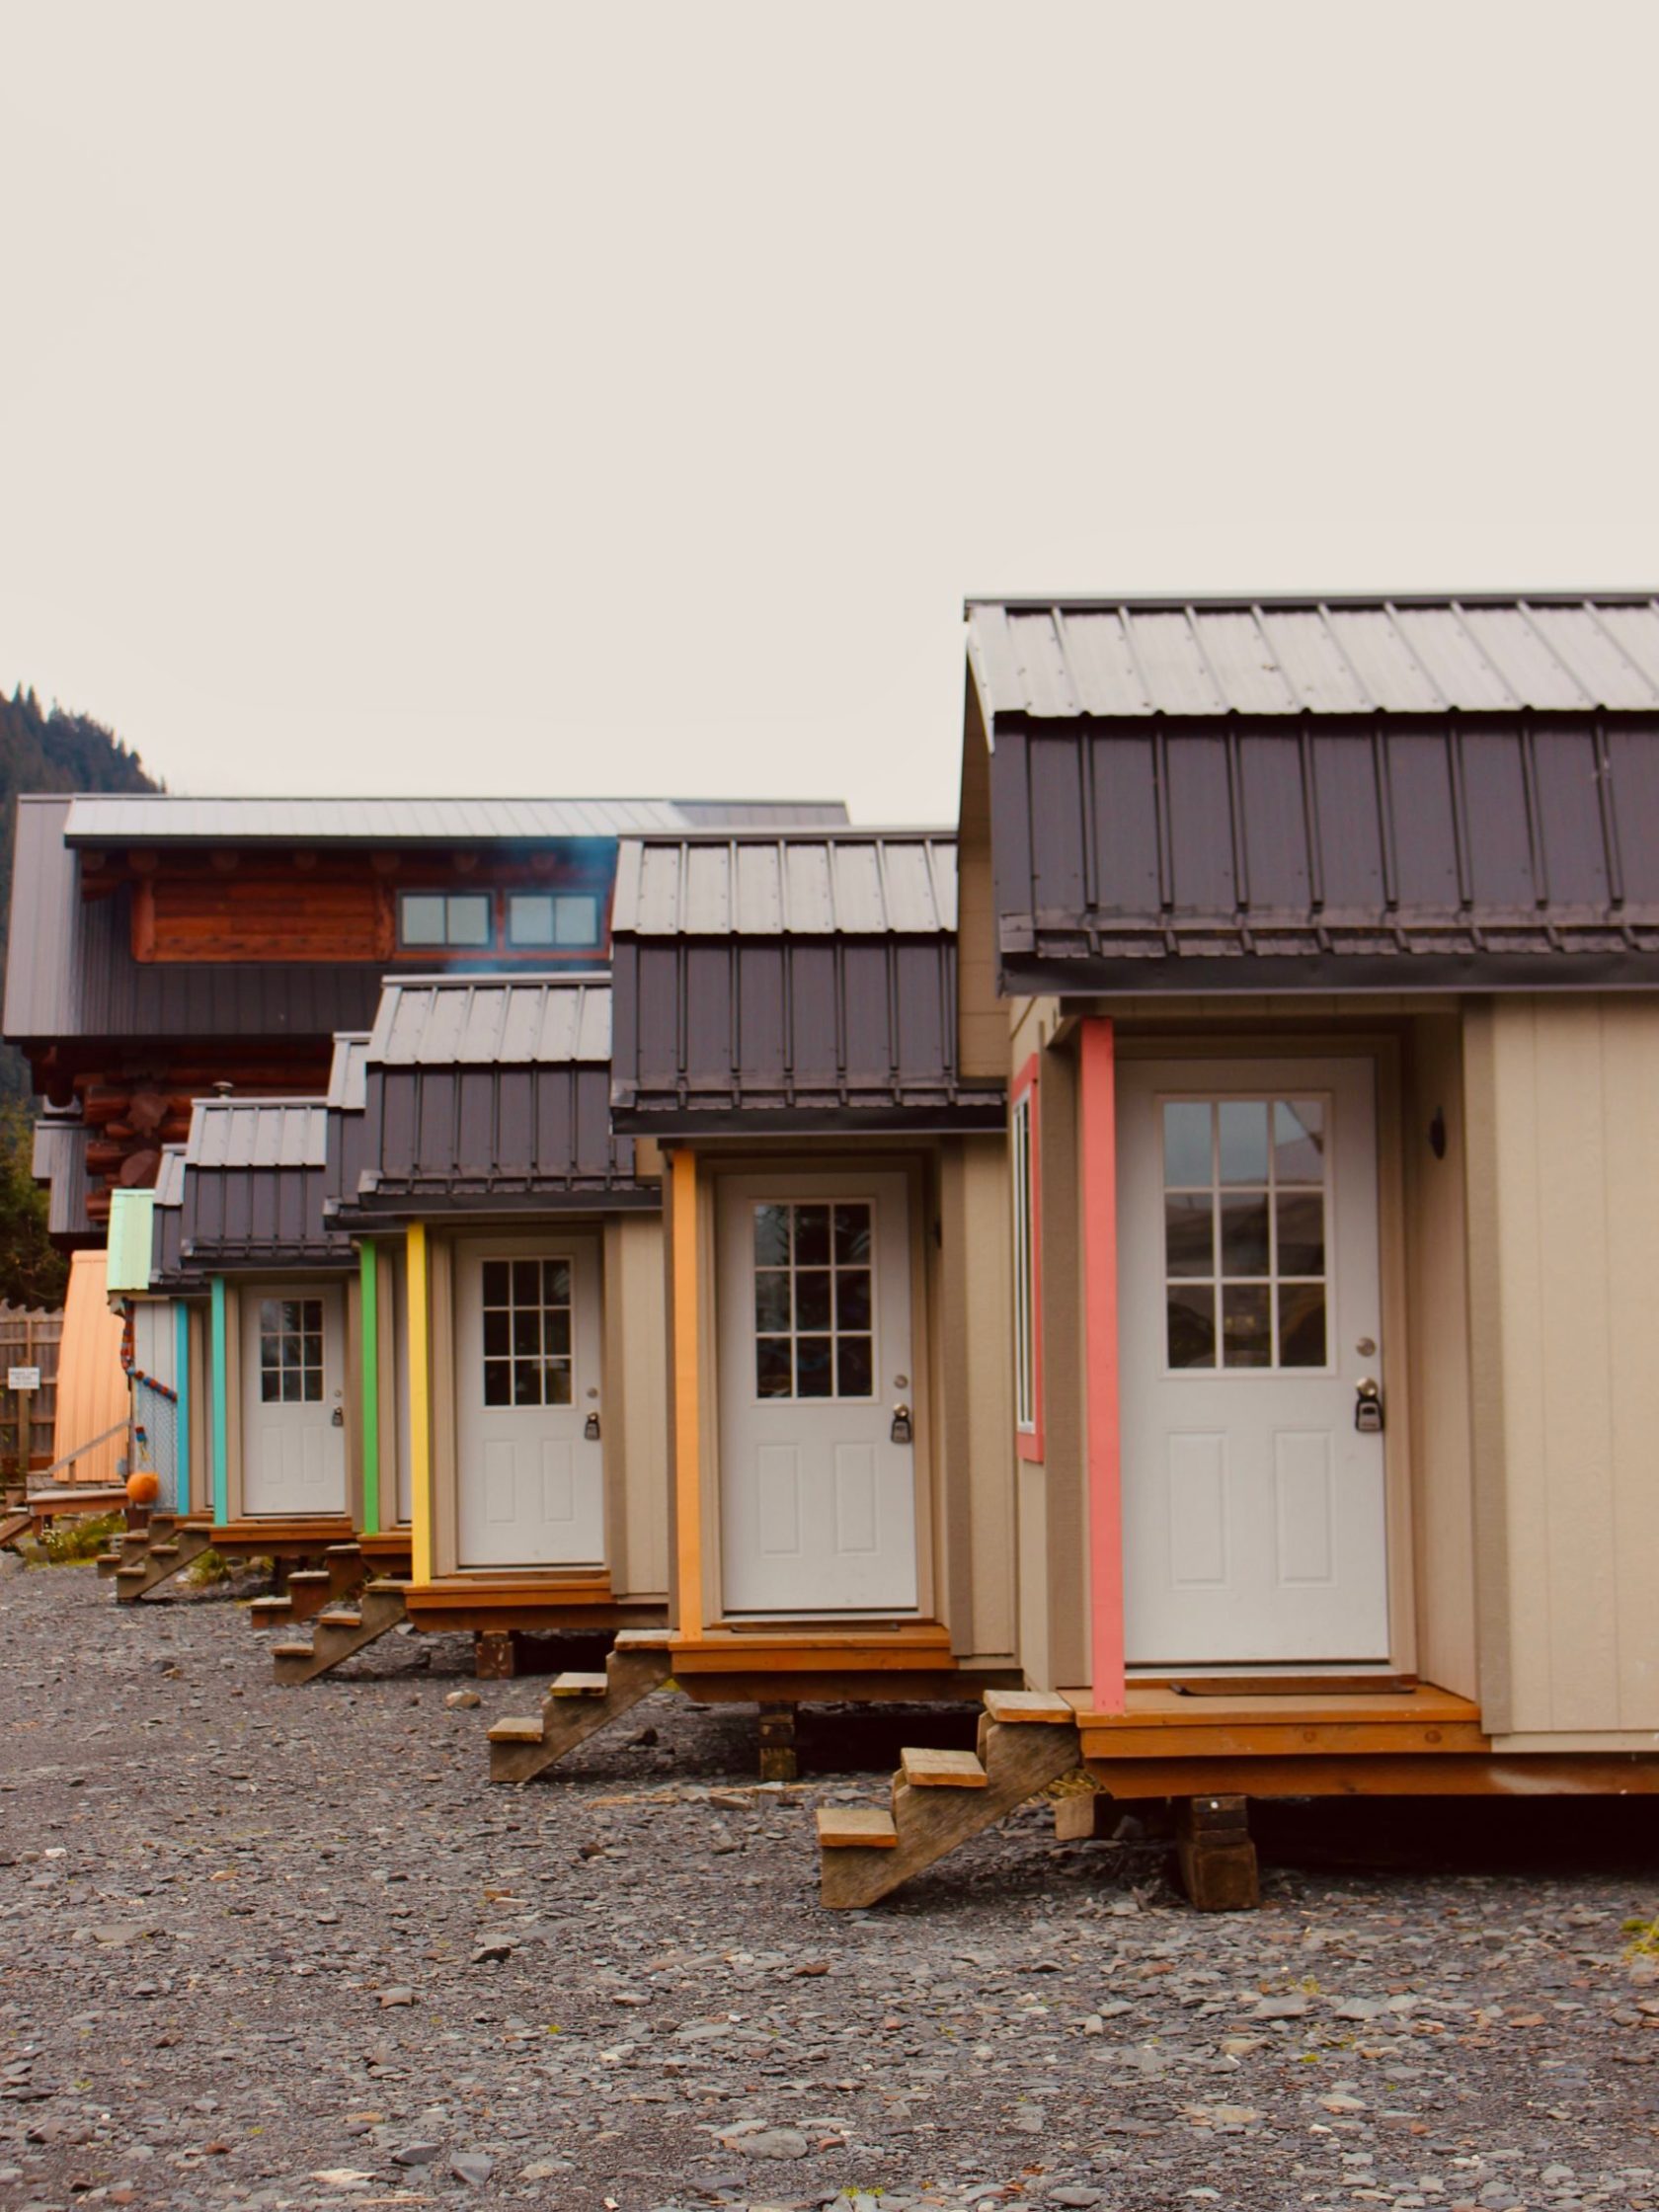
{"points": [[901, 1428], [590, 1428], [337, 1419], [1368, 1406]]}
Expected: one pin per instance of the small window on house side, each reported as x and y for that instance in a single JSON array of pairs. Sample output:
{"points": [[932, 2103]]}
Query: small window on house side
{"points": [[1025, 1271], [446, 920], [562, 920]]}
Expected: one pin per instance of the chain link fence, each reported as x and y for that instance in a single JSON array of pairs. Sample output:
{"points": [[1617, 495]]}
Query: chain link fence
{"points": [[155, 1436]]}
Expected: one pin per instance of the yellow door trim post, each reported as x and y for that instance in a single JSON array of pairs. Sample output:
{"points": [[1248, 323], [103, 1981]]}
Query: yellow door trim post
{"points": [[688, 1489]]}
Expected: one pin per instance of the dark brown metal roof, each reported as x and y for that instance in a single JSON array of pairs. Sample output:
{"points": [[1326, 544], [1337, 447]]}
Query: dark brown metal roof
{"points": [[789, 985], [483, 1094], [254, 1187], [1316, 795], [1401, 854], [169, 1271]]}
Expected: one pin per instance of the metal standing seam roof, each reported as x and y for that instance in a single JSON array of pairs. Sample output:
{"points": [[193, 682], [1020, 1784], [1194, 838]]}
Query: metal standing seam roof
{"points": [[802, 983], [347, 1085], [154, 817], [1483, 654], [168, 1270], [854, 883], [484, 1094], [1219, 840], [253, 1185], [442, 1021]]}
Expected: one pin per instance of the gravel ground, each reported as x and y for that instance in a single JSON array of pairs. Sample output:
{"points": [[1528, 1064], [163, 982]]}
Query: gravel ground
{"points": [[288, 1949]]}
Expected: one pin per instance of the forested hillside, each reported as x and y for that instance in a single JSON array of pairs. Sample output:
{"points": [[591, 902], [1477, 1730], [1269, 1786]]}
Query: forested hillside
{"points": [[53, 752], [38, 752]]}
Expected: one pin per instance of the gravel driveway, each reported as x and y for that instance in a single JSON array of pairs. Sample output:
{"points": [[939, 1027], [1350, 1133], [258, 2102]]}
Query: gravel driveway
{"points": [[287, 1948]]}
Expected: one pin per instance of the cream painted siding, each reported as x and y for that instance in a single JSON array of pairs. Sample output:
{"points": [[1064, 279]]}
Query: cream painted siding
{"points": [[637, 1417], [1437, 1346], [1563, 1134], [973, 1305]]}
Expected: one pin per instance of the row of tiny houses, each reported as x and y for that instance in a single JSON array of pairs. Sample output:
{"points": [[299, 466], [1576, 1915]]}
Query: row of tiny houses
{"points": [[1172, 1258]]}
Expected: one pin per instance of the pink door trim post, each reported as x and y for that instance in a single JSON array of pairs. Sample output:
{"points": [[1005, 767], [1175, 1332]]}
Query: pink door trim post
{"points": [[1099, 1143]]}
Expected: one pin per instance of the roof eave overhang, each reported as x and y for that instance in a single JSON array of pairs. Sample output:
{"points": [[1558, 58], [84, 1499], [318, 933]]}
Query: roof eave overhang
{"points": [[376, 1209], [985, 1113], [1257, 975]]}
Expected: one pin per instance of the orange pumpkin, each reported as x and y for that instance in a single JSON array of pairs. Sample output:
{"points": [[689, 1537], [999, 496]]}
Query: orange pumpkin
{"points": [[143, 1487]]}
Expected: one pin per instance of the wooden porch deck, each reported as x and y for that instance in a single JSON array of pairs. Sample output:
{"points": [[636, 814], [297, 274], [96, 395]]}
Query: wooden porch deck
{"points": [[488, 1601]]}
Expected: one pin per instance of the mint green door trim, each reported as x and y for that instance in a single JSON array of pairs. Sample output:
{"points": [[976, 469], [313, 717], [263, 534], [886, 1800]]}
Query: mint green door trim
{"points": [[221, 1407], [181, 1411], [369, 1332]]}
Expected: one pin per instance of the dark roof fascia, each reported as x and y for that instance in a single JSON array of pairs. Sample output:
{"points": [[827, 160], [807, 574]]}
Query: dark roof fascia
{"points": [[967, 1118], [1249, 973], [1293, 602], [249, 1259], [375, 1208]]}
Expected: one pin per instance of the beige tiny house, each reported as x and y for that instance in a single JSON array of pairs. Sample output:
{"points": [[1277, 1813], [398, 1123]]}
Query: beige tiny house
{"points": [[1326, 956], [516, 1249]]}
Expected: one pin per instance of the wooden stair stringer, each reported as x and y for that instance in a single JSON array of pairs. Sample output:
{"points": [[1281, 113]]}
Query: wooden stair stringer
{"points": [[334, 1637], [517, 1755], [13, 1526], [1019, 1759], [156, 1559], [310, 1590]]}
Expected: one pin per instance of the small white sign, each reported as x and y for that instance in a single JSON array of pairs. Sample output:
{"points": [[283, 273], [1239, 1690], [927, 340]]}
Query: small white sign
{"points": [[23, 1378]]}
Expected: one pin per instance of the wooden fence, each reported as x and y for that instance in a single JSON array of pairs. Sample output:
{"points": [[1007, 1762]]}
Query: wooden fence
{"points": [[28, 1338]]}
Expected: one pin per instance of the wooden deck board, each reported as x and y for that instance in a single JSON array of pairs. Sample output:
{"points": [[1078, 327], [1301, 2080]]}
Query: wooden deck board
{"points": [[1162, 1723]]}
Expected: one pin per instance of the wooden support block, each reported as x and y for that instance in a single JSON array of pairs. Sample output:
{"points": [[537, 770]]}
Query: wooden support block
{"points": [[1086, 1815], [581, 1686], [778, 1761], [1045, 1705], [925, 1769], [851, 1826], [524, 1729], [494, 1657], [1216, 1857]]}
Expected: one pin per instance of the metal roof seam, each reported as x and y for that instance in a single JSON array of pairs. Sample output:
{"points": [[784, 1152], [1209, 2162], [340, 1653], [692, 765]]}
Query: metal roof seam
{"points": [[1482, 654], [1586, 695]]}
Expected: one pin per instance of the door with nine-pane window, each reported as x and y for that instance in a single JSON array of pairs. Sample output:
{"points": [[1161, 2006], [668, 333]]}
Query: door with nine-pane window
{"points": [[293, 1400], [1250, 1332], [817, 1396], [530, 1479]]}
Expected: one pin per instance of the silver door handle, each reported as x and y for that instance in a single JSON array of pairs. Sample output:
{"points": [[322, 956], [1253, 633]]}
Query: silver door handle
{"points": [[903, 1432]]}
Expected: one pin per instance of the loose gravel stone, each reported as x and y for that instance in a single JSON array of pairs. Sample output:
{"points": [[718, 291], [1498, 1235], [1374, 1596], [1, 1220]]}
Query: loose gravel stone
{"points": [[283, 1948]]}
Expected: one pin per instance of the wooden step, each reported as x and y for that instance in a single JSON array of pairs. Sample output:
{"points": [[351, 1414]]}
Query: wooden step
{"points": [[107, 1563], [522, 1748], [266, 1612], [925, 1769], [940, 1798], [309, 1577], [526, 1729], [148, 1562], [856, 1828], [352, 1550], [1037, 1705], [339, 1631]]}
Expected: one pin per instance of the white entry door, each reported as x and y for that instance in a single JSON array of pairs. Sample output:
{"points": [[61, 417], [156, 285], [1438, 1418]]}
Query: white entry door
{"points": [[294, 1401], [1249, 1318], [817, 1396], [532, 1455]]}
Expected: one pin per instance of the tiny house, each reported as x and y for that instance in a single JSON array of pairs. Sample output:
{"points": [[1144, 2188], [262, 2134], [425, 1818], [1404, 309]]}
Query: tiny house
{"points": [[1319, 944], [786, 1046]]}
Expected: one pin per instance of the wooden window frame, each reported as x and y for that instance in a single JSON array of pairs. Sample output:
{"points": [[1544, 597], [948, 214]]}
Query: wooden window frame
{"points": [[1027, 1219]]}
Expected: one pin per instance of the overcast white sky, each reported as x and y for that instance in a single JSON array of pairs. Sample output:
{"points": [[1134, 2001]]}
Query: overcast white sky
{"points": [[583, 398]]}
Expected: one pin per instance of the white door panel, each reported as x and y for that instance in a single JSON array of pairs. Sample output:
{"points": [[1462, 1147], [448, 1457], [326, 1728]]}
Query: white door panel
{"points": [[532, 1477], [817, 1496], [293, 1420], [1250, 1310]]}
